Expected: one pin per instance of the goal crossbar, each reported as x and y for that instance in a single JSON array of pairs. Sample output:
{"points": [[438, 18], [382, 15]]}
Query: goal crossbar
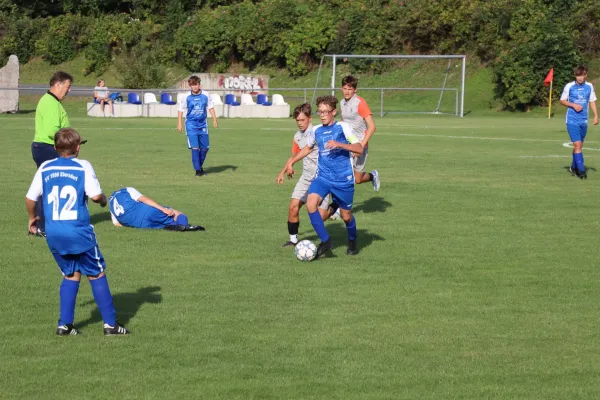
{"points": [[461, 57]]}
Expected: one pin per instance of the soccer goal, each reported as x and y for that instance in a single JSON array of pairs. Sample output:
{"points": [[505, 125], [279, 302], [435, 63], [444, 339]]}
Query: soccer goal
{"points": [[398, 84]]}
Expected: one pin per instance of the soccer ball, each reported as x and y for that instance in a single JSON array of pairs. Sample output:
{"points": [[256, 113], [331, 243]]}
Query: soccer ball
{"points": [[305, 250]]}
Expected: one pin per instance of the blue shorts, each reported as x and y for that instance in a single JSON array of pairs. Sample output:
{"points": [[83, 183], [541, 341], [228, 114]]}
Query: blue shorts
{"points": [[577, 132], [198, 138], [89, 263], [156, 219], [342, 195]]}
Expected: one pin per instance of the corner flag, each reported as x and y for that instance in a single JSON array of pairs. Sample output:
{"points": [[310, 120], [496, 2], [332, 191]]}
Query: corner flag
{"points": [[548, 81]]}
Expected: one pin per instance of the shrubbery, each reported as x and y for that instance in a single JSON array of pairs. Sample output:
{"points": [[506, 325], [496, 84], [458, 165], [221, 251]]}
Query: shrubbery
{"points": [[520, 39]]}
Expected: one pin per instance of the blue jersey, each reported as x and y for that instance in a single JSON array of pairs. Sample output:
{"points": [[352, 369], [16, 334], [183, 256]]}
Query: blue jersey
{"points": [[195, 107], [127, 210], [334, 165], [579, 94], [65, 184]]}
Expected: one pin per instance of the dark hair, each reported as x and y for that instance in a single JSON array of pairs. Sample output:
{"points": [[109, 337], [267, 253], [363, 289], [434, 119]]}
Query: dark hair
{"points": [[350, 81], [99, 80], [331, 101], [305, 109], [580, 70], [66, 141], [193, 80], [60, 77]]}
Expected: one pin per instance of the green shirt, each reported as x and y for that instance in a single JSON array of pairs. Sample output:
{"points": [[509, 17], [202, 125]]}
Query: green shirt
{"points": [[50, 116]]}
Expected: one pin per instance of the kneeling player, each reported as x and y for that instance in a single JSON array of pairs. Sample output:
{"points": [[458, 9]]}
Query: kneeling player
{"points": [[128, 207], [335, 175], [303, 116]]}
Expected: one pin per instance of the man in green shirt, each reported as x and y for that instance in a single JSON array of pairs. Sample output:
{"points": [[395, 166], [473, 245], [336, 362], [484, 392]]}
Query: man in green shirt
{"points": [[50, 116]]}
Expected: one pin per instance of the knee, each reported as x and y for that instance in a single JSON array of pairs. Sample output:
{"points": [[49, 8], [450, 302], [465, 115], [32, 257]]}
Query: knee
{"points": [[346, 215], [294, 209]]}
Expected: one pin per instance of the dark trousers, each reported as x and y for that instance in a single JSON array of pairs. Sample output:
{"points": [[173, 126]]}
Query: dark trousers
{"points": [[41, 153]]}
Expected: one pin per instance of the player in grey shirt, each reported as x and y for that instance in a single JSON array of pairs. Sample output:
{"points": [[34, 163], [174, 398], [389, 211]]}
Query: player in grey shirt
{"points": [[302, 115]]}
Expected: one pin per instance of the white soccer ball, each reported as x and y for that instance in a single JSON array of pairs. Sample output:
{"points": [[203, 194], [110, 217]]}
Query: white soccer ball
{"points": [[305, 250]]}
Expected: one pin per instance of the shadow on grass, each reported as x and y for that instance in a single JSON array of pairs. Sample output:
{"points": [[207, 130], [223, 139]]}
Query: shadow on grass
{"points": [[220, 168], [339, 235], [587, 169], [126, 304], [100, 217], [374, 204]]}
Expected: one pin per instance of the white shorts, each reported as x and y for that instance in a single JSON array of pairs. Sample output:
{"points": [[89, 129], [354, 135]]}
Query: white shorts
{"points": [[359, 163]]}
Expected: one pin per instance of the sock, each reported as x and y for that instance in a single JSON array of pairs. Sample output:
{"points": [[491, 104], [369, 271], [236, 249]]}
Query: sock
{"points": [[104, 300], [202, 156], [579, 161], [182, 219], [293, 231], [334, 206], [370, 177], [68, 295], [351, 228], [319, 226], [196, 159], [574, 163]]}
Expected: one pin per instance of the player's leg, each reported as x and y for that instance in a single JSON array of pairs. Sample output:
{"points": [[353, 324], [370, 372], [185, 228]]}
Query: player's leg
{"points": [[360, 174], [93, 266], [69, 288], [41, 153], [204, 147], [194, 145], [317, 191], [344, 196], [577, 134], [299, 197]]}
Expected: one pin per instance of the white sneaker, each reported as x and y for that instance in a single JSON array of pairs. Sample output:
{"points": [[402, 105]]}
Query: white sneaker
{"points": [[336, 215], [376, 182]]}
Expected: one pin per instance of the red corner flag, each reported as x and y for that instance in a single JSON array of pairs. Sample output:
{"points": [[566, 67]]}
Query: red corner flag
{"points": [[549, 77]]}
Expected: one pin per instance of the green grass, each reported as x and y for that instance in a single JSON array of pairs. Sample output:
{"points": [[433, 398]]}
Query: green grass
{"points": [[477, 275]]}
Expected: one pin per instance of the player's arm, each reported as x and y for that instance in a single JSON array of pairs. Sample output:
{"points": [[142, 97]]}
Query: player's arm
{"points": [[564, 100], [35, 191], [595, 111], [148, 201], [211, 109], [182, 108], [354, 145], [100, 199], [299, 156], [365, 112]]}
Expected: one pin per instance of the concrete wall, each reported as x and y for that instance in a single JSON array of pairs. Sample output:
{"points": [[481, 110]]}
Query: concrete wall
{"points": [[123, 110], [9, 78]]}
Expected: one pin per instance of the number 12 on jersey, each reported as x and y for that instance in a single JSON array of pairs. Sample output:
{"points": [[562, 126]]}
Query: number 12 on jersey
{"points": [[66, 213]]}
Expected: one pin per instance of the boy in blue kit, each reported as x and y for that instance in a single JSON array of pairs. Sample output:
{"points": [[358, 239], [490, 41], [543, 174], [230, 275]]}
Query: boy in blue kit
{"points": [[128, 207], [335, 174], [577, 96], [196, 105], [65, 183]]}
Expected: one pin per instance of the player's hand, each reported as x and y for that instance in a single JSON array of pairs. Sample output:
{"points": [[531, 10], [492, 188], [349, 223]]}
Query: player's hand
{"points": [[332, 144], [176, 213], [169, 212], [577, 107], [280, 178], [215, 124], [33, 225], [595, 120], [179, 128]]}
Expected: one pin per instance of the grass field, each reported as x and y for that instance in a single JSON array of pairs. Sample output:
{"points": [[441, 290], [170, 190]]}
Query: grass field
{"points": [[477, 275]]}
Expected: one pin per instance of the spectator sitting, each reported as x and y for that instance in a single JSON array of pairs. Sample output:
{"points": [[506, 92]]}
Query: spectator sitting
{"points": [[102, 96]]}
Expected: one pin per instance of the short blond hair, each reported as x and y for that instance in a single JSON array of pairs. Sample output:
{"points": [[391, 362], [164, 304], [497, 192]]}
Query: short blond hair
{"points": [[66, 141]]}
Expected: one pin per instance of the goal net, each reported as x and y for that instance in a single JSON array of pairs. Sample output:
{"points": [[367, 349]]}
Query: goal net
{"points": [[398, 84]]}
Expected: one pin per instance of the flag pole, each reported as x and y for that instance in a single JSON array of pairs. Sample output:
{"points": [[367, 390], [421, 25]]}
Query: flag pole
{"points": [[550, 101]]}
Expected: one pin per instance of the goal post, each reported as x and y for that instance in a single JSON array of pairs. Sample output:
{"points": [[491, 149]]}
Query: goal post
{"points": [[443, 92]]}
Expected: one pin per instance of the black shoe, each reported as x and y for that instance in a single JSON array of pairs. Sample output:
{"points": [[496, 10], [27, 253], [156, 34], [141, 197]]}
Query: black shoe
{"points": [[118, 329], [66, 330], [39, 233], [200, 172], [582, 175], [352, 250], [176, 228], [324, 247], [574, 171], [289, 243], [191, 228]]}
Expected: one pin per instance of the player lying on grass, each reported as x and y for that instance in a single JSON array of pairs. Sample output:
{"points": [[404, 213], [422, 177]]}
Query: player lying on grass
{"points": [[303, 116], [65, 183], [335, 174], [128, 207]]}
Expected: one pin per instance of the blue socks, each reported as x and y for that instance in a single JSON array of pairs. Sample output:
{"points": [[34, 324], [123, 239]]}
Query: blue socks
{"points": [[68, 295], [104, 300], [578, 161], [202, 152], [182, 219], [351, 228], [319, 225], [196, 159]]}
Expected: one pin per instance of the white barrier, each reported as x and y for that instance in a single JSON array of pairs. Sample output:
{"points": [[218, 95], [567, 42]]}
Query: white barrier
{"points": [[124, 110]]}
